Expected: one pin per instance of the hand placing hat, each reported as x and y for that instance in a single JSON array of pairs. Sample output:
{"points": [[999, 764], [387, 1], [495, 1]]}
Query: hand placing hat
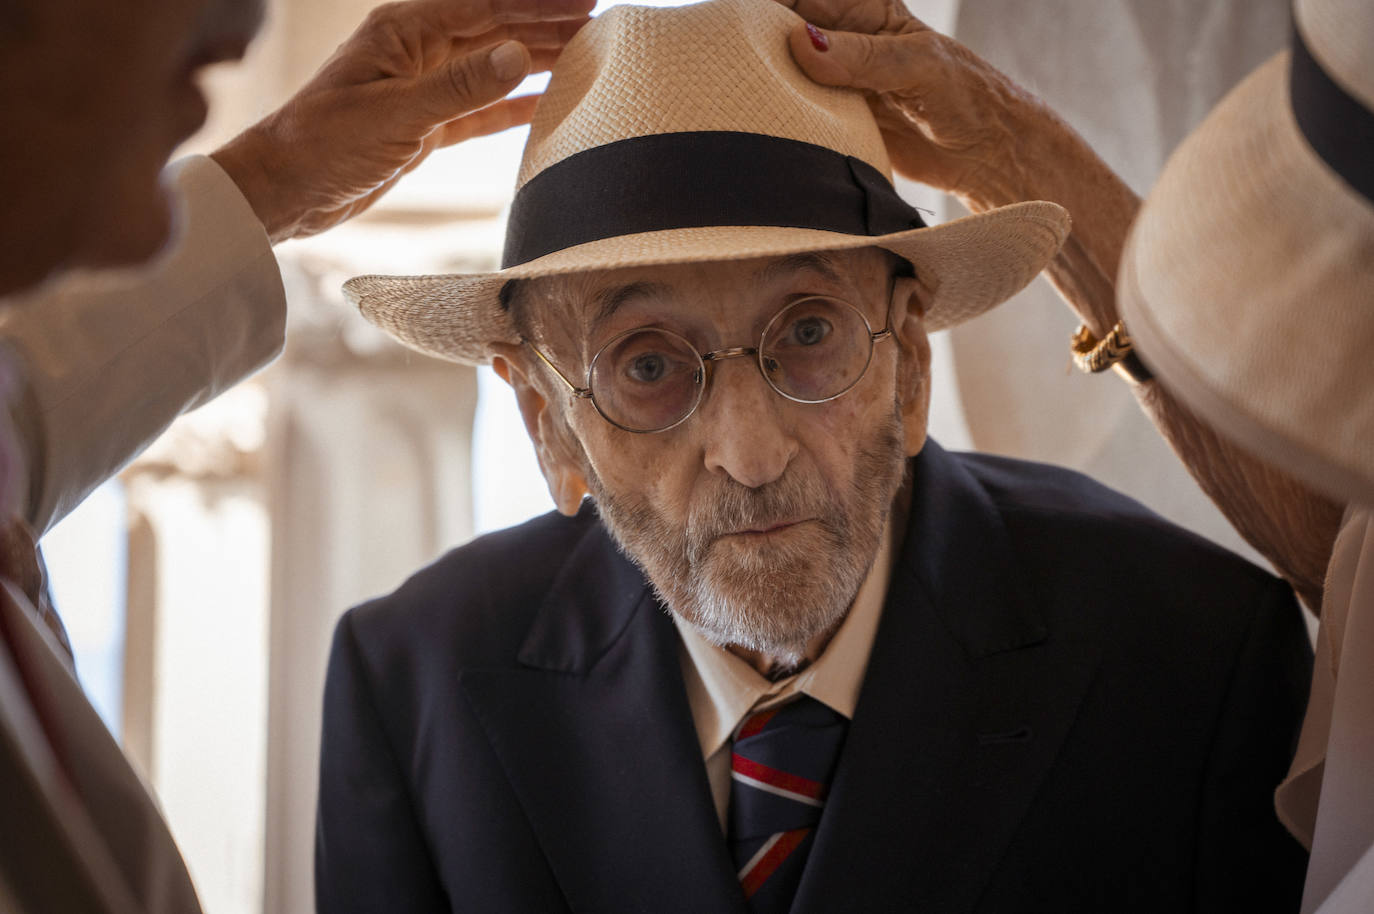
{"points": [[413, 78], [952, 120], [946, 113]]}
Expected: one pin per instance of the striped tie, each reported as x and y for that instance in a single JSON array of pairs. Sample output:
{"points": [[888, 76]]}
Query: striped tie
{"points": [[780, 771]]}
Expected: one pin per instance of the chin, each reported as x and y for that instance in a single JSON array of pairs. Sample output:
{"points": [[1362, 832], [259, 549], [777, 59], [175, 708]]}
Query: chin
{"points": [[777, 600], [129, 235]]}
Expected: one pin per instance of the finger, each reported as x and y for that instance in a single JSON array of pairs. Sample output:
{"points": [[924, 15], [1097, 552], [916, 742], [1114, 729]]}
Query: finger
{"points": [[472, 17], [547, 34], [866, 16], [881, 63], [507, 113], [543, 59], [467, 82], [531, 10], [531, 34]]}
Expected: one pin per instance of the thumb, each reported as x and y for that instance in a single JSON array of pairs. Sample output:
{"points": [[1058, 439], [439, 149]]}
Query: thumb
{"points": [[880, 63], [471, 81]]}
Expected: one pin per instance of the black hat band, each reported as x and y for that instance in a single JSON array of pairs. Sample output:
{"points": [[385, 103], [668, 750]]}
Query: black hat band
{"points": [[1338, 127], [698, 179]]}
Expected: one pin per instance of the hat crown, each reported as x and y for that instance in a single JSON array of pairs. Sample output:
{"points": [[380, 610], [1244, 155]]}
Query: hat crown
{"points": [[719, 66]]}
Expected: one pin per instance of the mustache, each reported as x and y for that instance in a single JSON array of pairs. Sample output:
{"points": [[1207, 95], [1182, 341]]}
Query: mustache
{"points": [[732, 507]]}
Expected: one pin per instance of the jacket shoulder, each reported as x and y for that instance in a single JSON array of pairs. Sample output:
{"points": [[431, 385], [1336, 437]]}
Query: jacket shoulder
{"points": [[1070, 504], [475, 604], [1074, 533]]}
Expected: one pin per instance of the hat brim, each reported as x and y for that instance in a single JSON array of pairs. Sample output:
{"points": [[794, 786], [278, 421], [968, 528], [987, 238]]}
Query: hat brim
{"points": [[970, 264], [1247, 283]]}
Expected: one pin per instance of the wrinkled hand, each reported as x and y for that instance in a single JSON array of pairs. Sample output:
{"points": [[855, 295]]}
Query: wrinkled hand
{"points": [[947, 116], [414, 77], [951, 120]]}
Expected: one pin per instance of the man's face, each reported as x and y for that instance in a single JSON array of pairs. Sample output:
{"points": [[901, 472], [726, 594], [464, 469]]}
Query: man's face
{"points": [[97, 95], [757, 518]]}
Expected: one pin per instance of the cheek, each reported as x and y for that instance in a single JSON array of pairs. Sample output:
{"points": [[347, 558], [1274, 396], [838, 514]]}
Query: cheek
{"points": [[141, 119], [656, 469], [839, 430], [835, 441], [128, 218]]}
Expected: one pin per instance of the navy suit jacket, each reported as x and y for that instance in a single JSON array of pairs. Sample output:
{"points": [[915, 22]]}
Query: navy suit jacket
{"points": [[1071, 705]]}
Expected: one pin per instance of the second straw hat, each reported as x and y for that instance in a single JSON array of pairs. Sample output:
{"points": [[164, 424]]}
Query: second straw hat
{"points": [[1248, 278]]}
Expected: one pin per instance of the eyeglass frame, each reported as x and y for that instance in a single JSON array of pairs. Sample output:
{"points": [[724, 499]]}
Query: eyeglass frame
{"points": [[709, 359]]}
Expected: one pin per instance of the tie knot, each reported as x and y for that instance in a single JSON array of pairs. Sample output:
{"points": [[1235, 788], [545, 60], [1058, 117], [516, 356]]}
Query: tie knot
{"points": [[804, 713]]}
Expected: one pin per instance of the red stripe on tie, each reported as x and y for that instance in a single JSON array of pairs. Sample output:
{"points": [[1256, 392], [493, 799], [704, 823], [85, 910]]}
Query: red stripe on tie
{"points": [[757, 722], [756, 877], [775, 778]]}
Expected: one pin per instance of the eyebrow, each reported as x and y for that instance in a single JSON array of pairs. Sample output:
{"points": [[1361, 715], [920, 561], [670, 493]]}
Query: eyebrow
{"points": [[606, 302], [815, 261]]}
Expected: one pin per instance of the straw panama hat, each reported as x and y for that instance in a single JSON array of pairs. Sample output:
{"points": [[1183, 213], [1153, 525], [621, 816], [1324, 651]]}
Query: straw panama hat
{"points": [[1248, 278], [687, 134]]}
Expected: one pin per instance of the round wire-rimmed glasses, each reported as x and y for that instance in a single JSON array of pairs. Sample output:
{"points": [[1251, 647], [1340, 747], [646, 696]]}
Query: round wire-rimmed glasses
{"points": [[649, 379]]}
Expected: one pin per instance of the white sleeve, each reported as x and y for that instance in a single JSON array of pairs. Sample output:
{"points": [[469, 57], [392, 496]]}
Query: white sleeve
{"points": [[110, 359]]}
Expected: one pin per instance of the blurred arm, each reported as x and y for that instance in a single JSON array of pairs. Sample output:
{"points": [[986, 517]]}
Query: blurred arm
{"points": [[110, 360]]}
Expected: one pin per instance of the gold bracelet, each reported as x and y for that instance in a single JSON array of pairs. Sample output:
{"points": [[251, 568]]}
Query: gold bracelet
{"points": [[1116, 351]]}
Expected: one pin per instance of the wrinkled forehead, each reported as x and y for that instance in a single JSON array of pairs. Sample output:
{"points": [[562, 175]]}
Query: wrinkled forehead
{"points": [[576, 308]]}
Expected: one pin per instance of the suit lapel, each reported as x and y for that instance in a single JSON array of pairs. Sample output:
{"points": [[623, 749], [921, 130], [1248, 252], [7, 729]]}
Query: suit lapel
{"points": [[963, 708], [597, 740]]}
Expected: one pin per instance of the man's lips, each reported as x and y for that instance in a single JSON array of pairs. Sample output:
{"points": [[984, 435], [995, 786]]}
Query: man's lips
{"points": [[766, 529]]}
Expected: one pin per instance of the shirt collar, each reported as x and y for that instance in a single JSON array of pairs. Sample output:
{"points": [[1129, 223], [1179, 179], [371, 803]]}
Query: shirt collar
{"points": [[722, 688]]}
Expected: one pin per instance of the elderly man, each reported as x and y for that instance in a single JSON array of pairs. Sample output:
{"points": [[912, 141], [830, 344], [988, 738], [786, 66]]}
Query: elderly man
{"points": [[791, 655]]}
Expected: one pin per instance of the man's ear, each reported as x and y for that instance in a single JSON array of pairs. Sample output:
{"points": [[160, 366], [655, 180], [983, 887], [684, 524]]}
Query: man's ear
{"points": [[554, 446], [910, 301]]}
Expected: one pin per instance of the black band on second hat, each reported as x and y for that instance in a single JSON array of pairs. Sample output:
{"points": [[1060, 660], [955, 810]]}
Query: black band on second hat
{"points": [[698, 179], [1339, 128]]}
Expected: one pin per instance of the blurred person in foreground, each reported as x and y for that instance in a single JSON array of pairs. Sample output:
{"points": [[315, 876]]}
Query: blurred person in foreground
{"points": [[1246, 285], [790, 655], [96, 95]]}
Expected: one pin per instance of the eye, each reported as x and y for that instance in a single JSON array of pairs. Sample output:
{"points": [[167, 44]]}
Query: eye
{"points": [[647, 367], [810, 331]]}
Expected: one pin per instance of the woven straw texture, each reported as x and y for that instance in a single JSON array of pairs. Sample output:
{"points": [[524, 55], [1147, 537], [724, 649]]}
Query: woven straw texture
{"points": [[1248, 281], [608, 90], [722, 65]]}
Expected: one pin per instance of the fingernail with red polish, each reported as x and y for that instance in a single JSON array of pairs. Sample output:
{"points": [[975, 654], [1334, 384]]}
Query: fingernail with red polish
{"points": [[818, 39]]}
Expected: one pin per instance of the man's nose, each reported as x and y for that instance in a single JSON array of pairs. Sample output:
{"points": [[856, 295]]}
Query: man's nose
{"points": [[743, 420]]}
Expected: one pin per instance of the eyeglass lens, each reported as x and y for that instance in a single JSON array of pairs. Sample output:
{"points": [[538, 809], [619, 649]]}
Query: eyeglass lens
{"points": [[813, 350]]}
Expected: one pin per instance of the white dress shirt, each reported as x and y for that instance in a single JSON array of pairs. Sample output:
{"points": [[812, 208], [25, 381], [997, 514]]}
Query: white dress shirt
{"points": [[109, 359]]}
